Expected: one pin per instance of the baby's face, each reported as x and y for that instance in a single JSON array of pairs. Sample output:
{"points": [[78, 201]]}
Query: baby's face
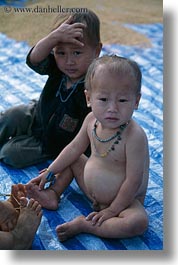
{"points": [[112, 98]]}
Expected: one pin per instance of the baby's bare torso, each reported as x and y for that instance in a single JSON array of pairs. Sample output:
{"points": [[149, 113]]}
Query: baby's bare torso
{"points": [[102, 179], [103, 176]]}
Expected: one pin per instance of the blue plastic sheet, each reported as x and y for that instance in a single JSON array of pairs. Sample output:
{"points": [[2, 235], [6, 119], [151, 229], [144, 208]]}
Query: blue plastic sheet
{"points": [[19, 84], [16, 3]]}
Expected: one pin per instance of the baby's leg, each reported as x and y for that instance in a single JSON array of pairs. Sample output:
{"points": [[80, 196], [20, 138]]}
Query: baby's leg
{"points": [[49, 198], [78, 172], [131, 222]]}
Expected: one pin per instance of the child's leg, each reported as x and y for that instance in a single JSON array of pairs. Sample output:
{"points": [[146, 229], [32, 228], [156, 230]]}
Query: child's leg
{"points": [[49, 198], [18, 147], [131, 222], [78, 172], [15, 121], [22, 151]]}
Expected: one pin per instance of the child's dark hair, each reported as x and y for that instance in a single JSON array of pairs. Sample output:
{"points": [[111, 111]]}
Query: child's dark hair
{"points": [[90, 19], [118, 65]]}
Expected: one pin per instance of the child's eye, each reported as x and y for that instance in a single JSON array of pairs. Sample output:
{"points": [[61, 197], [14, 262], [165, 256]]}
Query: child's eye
{"points": [[103, 99], [77, 53], [123, 100], [60, 53]]}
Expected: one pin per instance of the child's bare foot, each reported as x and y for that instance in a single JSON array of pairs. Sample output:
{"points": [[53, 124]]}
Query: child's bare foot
{"points": [[70, 229], [8, 213], [27, 224], [17, 191], [8, 216], [47, 198]]}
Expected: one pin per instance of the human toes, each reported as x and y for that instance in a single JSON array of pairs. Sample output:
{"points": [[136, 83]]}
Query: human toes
{"points": [[23, 202], [18, 190], [61, 231], [35, 206], [21, 190]]}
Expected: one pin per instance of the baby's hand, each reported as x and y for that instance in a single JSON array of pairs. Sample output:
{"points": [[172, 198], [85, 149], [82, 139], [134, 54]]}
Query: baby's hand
{"points": [[99, 217], [69, 33]]}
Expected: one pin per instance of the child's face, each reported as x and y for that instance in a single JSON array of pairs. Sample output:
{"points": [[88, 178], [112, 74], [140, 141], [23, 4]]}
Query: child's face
{"points": [[73, 60], [112, 98]]}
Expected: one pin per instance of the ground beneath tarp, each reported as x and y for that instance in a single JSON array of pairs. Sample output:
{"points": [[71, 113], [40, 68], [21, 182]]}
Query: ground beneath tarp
{"points": [[19, 84]]}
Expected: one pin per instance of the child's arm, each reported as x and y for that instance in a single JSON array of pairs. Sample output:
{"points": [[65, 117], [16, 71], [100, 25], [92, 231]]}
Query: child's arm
{"points": [[136, 150], [68, 156], [65, 33]]}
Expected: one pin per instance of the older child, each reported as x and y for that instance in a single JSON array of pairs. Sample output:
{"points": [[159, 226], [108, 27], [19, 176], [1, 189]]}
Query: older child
{"points": [[32, 133], [115, 177]]}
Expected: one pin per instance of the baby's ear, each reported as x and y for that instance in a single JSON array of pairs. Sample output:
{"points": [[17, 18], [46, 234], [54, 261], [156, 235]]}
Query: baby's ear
{"points": [[137, 101], [87, 95]]}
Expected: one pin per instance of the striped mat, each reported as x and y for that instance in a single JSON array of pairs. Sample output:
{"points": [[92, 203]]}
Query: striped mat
{"points": [[19, 84]]}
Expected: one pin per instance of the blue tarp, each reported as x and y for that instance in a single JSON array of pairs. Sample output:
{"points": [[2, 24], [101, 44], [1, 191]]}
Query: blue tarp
{"points": [[19, 84], [16, 3]]}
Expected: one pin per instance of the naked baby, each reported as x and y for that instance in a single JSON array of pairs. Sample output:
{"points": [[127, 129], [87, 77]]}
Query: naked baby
{"points": [[115, 176]]}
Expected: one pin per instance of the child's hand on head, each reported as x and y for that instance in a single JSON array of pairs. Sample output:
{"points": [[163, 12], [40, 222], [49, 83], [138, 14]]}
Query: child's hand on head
{"points": [[70, 33]]}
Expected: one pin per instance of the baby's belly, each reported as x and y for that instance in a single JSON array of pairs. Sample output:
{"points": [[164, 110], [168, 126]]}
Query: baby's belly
{"points": [[102, 180]]}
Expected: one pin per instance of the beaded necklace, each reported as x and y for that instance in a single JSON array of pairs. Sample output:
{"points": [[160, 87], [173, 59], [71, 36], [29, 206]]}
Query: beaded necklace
{"points": [[63, 85], [117, 135]]}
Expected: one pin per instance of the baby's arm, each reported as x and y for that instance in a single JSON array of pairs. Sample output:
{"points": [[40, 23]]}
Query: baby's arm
{"points": [[65, 33], [68, 156], [136, 150]]}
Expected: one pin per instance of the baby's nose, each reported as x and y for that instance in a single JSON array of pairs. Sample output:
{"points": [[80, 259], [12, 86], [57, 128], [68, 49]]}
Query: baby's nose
{"points": [[113, 107]]}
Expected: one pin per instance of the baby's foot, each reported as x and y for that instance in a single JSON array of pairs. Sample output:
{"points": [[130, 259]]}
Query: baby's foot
{"points": [[47, 198], [27, 224], [70, 229]]}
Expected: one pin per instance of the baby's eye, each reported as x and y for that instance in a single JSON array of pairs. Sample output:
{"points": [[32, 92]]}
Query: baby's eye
{"points": [[103, 99], [123, 100]]}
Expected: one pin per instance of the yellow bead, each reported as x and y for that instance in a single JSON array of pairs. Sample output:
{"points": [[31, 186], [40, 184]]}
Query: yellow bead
{"points": [[104, 154]]}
